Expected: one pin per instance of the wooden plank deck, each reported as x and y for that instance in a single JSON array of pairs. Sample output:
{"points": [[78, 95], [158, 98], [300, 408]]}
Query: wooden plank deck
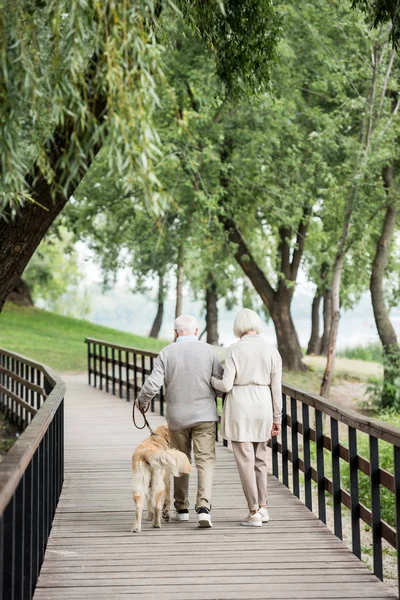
{"points": [[92, 554]]}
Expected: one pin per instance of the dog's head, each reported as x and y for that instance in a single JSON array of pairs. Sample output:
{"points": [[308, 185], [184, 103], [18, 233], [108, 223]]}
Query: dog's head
{"points": [[162, 431]]}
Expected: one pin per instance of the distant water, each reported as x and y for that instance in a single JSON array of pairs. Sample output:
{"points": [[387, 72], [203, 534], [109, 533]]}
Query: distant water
{"points": [[135, 313]]}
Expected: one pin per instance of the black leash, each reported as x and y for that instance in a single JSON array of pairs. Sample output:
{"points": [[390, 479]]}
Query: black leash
{"points": [[146, 423]]}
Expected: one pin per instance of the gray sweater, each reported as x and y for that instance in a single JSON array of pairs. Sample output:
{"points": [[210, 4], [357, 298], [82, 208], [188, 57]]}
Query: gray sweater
{"points": [[186, 368]]}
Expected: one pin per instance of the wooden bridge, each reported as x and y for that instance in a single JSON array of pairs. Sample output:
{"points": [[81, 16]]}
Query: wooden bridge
{"points": [[90, 551]]}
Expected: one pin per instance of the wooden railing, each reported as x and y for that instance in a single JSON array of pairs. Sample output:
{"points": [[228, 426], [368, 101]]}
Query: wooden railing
{"points": [[121, 370], [336, 431], [312, 427], [32, 472]]}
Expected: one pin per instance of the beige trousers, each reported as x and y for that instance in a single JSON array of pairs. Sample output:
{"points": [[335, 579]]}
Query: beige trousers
{"points": [[202, 436], [251, 460]]}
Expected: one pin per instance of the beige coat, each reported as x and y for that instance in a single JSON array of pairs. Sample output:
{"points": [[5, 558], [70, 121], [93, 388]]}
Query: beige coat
{"points": [[252, 380]]}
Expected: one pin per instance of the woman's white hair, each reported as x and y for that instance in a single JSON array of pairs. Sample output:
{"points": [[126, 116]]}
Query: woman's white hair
{"points": [[245, 320], [185, 324]]}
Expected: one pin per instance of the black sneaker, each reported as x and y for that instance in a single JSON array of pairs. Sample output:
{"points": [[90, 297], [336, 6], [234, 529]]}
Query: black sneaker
{"points": [[204, 517], [181, 515]]}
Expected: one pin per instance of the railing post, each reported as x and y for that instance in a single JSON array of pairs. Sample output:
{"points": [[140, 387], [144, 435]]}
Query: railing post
{"points": [[152, 404], [376, 506], [127, 376], [106, 365], [354, 498], [19, 539], [9, 546], [307, 457], [135, 383], [336, 493], [88, 360], [285, 451], [113, 370], [295, 447], [101, 365], [120, 373], [396, 452], [94, 365], [28, 538], [274, 448], [320, 466]]}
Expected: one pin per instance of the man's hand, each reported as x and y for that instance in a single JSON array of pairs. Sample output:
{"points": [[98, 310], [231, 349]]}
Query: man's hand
{"points": [[137, 405], [276, 429]]}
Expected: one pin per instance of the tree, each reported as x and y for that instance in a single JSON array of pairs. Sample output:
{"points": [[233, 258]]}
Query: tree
{"points": [[376, 142], [387, 335], [103, 64]]}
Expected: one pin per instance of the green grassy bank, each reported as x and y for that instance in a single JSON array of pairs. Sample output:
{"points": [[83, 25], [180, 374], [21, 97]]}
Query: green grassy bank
{"points": [[58, 341]]}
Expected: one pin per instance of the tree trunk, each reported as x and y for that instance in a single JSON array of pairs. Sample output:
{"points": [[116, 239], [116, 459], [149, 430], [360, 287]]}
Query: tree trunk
{"points": [[212, 315], [21, 235], [277, 302], [21, 294], [155, 329], [331, 355], [314, 344], [179, 283], [327, 319], [286, 334], [386, 332]]}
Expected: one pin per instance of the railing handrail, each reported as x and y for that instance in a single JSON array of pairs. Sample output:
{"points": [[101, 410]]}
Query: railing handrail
{"points": [[379, 429], [13, 466], [124, 348]]}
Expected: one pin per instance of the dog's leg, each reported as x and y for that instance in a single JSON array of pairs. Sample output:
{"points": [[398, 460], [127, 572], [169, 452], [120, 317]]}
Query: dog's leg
{"points": [[167, 499], [150, 515], [137, 524], [157, 495]]}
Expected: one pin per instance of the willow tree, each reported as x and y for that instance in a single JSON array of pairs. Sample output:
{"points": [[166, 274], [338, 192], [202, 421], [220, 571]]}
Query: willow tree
{"points": [[80, 72]]}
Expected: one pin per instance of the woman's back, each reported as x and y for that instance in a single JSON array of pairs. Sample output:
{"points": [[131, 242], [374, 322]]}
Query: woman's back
{"points": [[255, 359]]}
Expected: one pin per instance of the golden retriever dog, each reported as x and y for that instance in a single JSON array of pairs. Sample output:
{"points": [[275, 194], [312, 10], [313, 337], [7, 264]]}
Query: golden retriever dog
{"points": [[153, 463]]}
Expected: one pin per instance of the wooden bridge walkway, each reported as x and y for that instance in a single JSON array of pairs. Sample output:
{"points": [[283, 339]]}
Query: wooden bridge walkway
{"points": [[92, 554]]}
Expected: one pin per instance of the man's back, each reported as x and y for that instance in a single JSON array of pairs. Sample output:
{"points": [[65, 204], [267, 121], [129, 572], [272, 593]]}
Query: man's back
{"points": [[190, 398]]}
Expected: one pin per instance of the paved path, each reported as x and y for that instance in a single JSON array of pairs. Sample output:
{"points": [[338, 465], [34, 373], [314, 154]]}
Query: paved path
{"points": [[92, 554]]}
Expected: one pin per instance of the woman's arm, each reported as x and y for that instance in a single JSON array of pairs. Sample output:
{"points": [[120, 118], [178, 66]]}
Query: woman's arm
{"points": [[276, 388], [226, 383]]}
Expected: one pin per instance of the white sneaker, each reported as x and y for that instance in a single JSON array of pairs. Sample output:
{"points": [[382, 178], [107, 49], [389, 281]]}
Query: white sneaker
{"points": [[264, 515], [180, 516], [253, 520], [204, 520]]}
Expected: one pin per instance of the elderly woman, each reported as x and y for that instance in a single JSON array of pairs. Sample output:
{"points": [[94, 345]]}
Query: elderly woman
{"points": [[252, 409]]}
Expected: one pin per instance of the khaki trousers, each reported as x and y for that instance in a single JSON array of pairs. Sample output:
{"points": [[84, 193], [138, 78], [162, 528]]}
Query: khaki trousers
{"points": [[202, 436], [251, 460]]}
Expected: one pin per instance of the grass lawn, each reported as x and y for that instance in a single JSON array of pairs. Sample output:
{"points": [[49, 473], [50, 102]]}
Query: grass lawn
{"points": [[59, 341]]}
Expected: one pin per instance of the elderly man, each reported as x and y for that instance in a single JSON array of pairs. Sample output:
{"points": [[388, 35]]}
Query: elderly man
{"points": [[186, 368]]}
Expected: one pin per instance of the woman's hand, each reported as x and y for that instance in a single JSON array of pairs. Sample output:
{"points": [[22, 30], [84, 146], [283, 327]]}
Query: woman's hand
{"points": [[276, 429]]}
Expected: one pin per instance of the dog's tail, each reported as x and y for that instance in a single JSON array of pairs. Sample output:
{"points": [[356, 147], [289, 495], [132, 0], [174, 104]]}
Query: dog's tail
{"points": [[173, 461]]}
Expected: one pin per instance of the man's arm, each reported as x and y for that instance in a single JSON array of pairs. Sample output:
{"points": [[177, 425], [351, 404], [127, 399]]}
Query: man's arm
{"points": [[217, 368], [153, 383]]}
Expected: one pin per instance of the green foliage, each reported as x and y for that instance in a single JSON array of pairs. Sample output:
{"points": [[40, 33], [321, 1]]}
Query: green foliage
{"points": [[385, 394], [57, 340], [388, 502], [242, 60], [93, 68], [53, 270], [370, 352], [380, 12]]}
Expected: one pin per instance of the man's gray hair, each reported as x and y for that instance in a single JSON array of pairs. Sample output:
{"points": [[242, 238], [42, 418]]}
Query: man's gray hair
{"points": [[245, 320], [185, 324]]}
